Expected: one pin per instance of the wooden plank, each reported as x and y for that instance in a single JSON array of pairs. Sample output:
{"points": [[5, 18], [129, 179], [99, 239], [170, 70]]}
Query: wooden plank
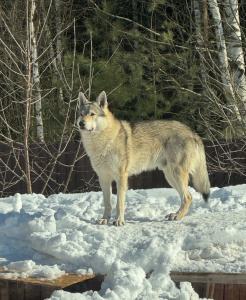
{"points": [[200, 288], [4, 290], [93, 284], [35, 289], [209, 291], [61, 282], [204, 277], [32, 291], [218, 286], [232, 291], [47, 290], [16, 290], [242, 292], [219, 292]]}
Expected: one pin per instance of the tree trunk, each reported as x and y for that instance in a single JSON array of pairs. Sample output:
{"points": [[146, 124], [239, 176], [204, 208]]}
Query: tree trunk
{"points": [[204, 13], [26, 136], [223, 61], [28, 120], [36, 78], [235, 52]]}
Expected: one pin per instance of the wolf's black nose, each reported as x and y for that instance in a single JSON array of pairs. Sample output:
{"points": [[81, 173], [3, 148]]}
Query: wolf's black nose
{"points": [[82, 124]]}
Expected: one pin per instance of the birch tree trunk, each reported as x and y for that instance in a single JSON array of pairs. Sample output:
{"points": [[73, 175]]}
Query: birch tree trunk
{"points": [[28, 113], [235, 51], [26, 132], [36, 78], [223, 61]]}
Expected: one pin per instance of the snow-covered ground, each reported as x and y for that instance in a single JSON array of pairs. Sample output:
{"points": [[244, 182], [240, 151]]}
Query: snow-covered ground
{"points": [[47, 237]]}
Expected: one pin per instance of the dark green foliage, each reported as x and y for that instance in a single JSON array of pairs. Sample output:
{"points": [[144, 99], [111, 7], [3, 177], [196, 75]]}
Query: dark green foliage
{"points": [[133, 64], [142, 53]]}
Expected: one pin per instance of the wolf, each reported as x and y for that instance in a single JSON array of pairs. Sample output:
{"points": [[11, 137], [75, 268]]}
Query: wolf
{"points": [[118, 149]]}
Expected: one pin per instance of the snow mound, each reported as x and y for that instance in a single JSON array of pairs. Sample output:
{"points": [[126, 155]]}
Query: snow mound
{"points": [[48, 237]]}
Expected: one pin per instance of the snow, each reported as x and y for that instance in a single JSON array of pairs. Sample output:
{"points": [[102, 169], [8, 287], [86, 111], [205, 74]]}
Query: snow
{"points": [[48, 237]]}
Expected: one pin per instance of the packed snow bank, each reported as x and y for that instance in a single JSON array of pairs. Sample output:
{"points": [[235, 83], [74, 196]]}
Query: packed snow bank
{"points": [[47, 237]]}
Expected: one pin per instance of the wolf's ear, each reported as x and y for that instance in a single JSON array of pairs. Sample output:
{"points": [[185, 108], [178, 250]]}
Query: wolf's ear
{"points": [[82, 99], [102, 100]]}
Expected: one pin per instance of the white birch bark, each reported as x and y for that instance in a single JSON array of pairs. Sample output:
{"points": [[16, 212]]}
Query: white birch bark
{"points": [[235, 51], [28, 116], [223, 60], [36, 78]]}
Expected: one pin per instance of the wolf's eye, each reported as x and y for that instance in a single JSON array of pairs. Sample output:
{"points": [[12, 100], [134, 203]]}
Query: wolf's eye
{"points": [[92, 114]]}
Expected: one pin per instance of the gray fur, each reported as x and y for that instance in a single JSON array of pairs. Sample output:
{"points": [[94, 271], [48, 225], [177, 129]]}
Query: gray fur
{"points": [[118, 149]]}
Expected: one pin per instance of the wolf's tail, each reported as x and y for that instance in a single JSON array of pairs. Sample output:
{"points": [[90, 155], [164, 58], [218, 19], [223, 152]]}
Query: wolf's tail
{"points": [[200, 177]]}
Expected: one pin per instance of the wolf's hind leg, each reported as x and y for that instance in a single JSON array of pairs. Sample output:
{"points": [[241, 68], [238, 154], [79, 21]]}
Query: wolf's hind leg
{"points": [[178, 179], [107, 195]]}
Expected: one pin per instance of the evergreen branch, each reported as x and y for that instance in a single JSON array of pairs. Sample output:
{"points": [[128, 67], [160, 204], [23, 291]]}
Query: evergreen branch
{"points": [[125, 19]]}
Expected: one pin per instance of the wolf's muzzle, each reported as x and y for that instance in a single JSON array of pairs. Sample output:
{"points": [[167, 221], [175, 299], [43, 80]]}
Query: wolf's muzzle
{"points": [[82, 125]]}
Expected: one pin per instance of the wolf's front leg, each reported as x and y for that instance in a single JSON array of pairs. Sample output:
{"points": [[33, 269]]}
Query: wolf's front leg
{"points": [[107, 195], [121, 198]]}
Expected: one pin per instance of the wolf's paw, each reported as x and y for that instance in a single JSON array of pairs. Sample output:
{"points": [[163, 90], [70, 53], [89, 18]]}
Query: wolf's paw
{"points": [[118, 222], [102, 221], [173, 217]]}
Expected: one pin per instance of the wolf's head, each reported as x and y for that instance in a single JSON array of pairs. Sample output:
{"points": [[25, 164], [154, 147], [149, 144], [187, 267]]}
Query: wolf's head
{"points": [[91, 115]]}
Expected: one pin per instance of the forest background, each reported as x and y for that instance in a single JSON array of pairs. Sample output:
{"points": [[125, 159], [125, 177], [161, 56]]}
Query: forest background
{"points": [[160, 59]]}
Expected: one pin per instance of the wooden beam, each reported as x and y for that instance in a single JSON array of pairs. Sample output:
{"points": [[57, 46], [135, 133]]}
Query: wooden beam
{"points": [[205, 277]]}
